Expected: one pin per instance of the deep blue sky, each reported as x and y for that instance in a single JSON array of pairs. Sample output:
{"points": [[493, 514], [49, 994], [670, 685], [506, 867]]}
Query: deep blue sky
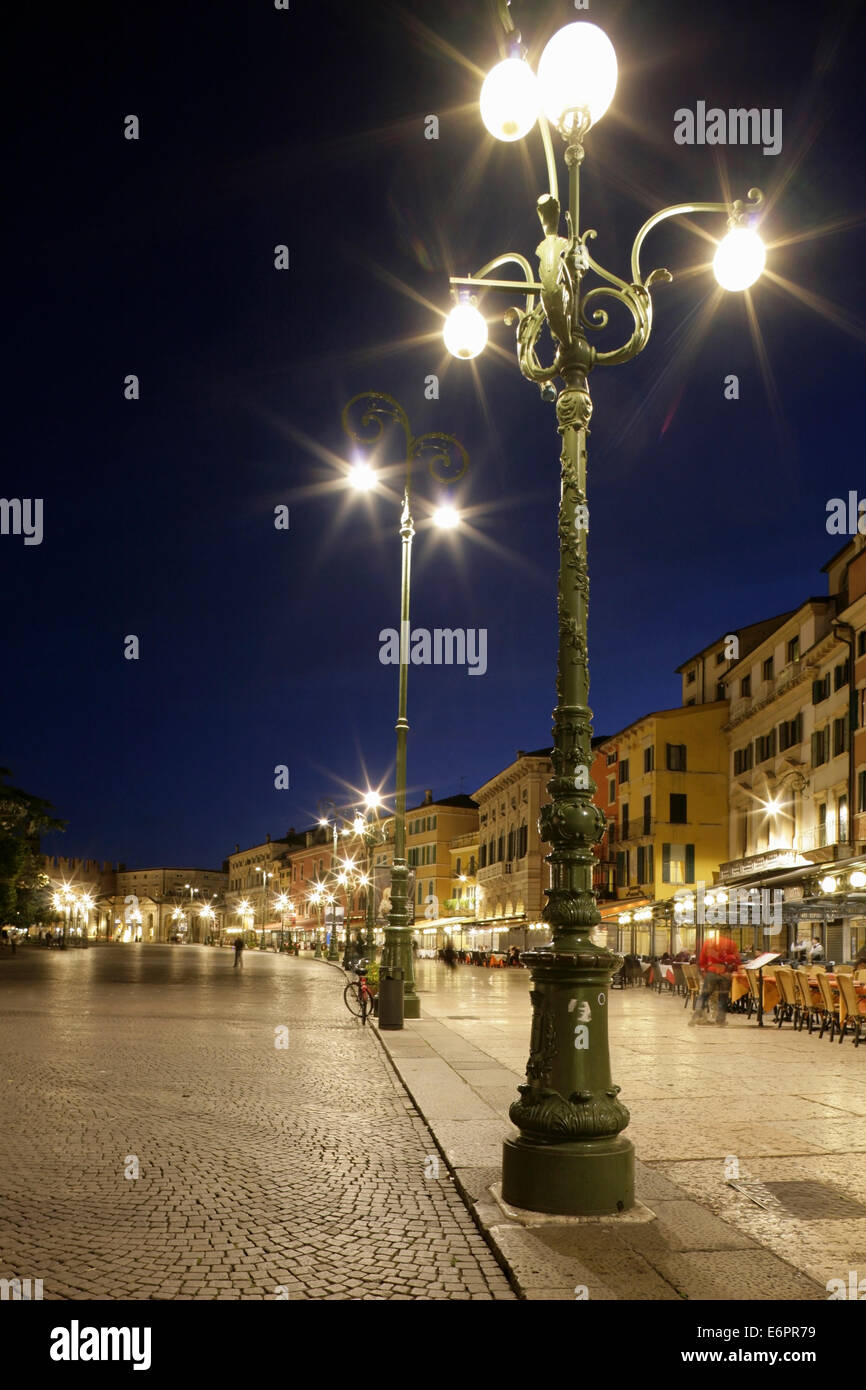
{"points": [[260, 647]]}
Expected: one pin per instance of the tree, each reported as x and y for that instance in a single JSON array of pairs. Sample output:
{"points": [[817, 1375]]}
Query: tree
{"points": [[23, 885]]}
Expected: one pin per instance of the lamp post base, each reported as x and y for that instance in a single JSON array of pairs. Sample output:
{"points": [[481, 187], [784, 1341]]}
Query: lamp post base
{"points": [[588, 1177]]}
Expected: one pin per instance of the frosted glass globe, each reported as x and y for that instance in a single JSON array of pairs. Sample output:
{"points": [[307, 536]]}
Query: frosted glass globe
{"points": [[739, 259], [465, 331], [509, 100], [577, 69]]}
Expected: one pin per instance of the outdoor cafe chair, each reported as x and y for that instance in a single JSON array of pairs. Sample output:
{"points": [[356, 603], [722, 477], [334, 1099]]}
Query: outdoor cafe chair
{"points": [[810, 1005], [680, 986], [855, 1009], [830, 1011], [788, 1007], [755, 999], [693, 983], [844, 970]]}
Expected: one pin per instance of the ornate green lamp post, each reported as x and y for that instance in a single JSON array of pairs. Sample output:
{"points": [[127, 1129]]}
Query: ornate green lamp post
{"points": [[447, 460], [571, 1157]]}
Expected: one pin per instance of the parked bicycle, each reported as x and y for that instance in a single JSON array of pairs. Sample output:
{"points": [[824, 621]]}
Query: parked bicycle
{"points": [[360, 1000]]}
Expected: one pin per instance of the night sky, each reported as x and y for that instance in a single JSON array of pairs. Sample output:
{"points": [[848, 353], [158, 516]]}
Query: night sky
{"points": [[260, 647]]}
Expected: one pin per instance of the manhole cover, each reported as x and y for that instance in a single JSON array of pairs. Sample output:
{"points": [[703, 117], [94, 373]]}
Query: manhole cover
{"points": [[807, 1200]]}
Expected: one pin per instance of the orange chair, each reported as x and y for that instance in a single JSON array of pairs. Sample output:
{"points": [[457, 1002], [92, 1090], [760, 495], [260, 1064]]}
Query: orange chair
{"points": [[830, 1011], [854, 1007]]}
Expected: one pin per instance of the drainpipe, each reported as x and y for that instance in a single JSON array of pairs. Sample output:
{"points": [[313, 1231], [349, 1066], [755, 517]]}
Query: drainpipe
{"points": [[848, 639]]}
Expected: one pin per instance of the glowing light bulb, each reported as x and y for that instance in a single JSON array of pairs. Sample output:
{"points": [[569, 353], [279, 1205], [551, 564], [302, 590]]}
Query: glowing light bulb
{"points": [[577, 71], [465, 331], [828, 884], [446, 518], [362, 477], [509, 100], [739, 259], [858, 879]]}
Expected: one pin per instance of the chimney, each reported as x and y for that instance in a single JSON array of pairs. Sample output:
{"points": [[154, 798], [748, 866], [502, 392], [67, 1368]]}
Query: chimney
{"points": [[267, 839], [521, 753], [428, 797], [237, 849]]}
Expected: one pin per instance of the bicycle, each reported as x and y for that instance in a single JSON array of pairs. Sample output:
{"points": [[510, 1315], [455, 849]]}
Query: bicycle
{"points": [[358, 997]]}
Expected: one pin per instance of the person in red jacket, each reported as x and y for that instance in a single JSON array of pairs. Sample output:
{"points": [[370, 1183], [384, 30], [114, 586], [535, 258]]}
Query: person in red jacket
{"points": [[719, 960]]}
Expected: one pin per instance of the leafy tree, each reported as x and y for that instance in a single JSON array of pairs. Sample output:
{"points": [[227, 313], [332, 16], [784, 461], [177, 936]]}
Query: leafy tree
{"points": [[23, 884]]}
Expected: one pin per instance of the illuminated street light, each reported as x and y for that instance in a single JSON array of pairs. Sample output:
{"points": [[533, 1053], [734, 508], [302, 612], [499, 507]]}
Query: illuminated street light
{"points": [[576, 74], [739, 259], [362, 477], [510, 100], [465, 331], [571, 1157], [447, 461], [446, 518]]}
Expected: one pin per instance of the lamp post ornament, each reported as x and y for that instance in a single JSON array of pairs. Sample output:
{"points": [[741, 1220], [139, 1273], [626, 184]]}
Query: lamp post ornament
{"points": [[447, 461], [571, 1157]]}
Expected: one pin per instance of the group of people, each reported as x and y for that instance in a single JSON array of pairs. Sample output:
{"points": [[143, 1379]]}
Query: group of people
{"points": [[453, 958]]}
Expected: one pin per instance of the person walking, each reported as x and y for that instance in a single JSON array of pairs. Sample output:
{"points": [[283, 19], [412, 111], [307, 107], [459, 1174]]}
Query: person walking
{"points": [[719, 960], [239, 952]]}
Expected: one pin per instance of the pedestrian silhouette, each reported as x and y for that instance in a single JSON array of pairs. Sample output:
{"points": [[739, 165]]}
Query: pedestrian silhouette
{"points": [[239, 952]]}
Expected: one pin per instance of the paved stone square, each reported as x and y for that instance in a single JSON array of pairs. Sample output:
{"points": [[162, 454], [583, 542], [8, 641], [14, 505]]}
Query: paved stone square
{"points": [[263, 1171], [707, 1105]]}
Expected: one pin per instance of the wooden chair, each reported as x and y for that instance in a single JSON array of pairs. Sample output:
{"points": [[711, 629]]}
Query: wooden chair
{"points": [[830, 1008], [788, 1008], [810, 1005], [855, 1007], [693, 983], [844, 970], [680, 986]]}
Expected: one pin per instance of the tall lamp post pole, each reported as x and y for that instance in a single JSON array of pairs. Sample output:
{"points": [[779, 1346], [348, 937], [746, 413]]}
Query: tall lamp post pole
{"points": [[371, 832], [326, 822], [570, 1157], [440, 451]]}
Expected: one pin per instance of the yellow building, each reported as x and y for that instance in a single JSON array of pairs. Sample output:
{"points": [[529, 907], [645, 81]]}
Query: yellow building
{"points": [[431, 829], [672, 801], [464, 868], [512, 874]]}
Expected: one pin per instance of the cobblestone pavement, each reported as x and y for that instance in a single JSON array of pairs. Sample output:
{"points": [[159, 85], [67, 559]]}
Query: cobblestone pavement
{"points": [[264, 1171]]}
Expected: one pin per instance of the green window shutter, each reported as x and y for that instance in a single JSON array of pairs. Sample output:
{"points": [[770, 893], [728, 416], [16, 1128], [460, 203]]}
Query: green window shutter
{"points": [[690, 863], [620, 868], [648, 864], [666, 863]]}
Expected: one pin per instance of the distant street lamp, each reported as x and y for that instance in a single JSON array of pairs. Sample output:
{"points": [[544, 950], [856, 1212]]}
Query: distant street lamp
{"points": [[282, 904], [571, 1157], [317, 899], [207, 914], [439, 450]]}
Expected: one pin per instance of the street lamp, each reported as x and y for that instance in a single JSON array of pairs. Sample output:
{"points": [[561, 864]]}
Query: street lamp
{"points": [[571, 1157], [282, 904], [206, 913], [316, 899], [439, 451], [266, 874], [368, 827]]}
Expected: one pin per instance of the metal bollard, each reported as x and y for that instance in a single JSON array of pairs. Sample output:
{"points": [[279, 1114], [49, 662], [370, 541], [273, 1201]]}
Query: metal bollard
{"points": [[391, 999]]}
